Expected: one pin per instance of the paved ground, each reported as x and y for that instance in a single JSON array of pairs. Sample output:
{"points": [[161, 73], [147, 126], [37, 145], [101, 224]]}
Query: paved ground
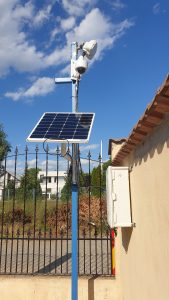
{"points": [[54, 257]]}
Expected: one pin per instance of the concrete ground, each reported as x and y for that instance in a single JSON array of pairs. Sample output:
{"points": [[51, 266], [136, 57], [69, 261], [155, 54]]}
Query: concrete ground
{"points": [[54, 257]]}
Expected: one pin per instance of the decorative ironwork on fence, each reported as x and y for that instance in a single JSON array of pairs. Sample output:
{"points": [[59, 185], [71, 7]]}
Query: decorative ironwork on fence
{"points": [[35, 215]]}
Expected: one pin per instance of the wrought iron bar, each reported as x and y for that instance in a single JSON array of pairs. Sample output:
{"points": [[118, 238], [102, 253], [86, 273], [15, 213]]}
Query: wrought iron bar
{"points": [[90, 246], [45, 213], [17, 248], [6, 248], [84, 251], [67, 221], [56, 207], [96, 248], [101, 217], [39, 249], [3, 206], [107, 233], [36, 239], [24, 204], [61, 249], [50, 249], [13, 209], [35, 204], [28, 234]]}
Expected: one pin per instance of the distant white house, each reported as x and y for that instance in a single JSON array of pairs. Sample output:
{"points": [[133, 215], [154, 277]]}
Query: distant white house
{"points": [[5, 177], [53, 177]]}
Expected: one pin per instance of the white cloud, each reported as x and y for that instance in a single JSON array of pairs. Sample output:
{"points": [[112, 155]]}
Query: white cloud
{"points": [[23, 12], [67, 24], [19, 53], [76, 7], [54, 32], [16, 51], [42, 15], [85, 163], [40, 87], [59, 56], [106, 34], [117, 5], [89, 147], [66, 70], [52, 165], [156, 8], [89, 29], [10, 166]]}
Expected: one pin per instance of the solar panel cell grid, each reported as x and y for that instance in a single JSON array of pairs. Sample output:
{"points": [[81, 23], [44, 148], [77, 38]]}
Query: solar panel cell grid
{"points": [[63, 126]]}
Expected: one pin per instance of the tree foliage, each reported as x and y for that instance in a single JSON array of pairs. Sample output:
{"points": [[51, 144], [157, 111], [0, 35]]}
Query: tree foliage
{"points": [[96, 180], [4, 144], [10, 188], [83, 183], [30, 184], [66, 190]]}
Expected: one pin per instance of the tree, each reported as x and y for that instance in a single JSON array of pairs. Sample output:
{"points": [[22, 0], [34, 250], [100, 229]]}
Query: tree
{"points": [[98, 179], [30, 184], [83, 183], [105, 166], [4, 144], [66, 190], [10, 188]]}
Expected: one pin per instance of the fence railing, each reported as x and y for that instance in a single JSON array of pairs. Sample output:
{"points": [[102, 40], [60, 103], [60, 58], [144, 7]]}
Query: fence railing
{"points": [[35, 215]]}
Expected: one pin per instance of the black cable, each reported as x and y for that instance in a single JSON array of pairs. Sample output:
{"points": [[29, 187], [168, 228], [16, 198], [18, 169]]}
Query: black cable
{"points": [[57, 153], [67, 152]]}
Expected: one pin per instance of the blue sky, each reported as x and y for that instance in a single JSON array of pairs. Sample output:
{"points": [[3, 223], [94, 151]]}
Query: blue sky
{"points": [[130, 64]]}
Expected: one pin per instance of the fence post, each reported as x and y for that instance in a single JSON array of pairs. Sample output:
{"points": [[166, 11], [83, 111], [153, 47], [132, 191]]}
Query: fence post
{"points": [[112, 247]]}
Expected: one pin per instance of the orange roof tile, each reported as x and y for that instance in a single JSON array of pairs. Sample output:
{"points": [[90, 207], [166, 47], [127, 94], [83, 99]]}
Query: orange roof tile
{"points": [[152, 117]]}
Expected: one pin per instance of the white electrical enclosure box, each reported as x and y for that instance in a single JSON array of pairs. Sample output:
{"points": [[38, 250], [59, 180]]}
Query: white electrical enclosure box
{"points": [[118, 197]]}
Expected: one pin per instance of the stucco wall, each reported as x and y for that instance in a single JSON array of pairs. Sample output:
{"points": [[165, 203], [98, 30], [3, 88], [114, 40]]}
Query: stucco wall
{"points": [[57, 288], [144, 250]]}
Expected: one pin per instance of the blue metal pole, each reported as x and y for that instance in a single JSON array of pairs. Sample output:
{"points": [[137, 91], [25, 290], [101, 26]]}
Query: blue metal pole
{"points": [[75, 153]]}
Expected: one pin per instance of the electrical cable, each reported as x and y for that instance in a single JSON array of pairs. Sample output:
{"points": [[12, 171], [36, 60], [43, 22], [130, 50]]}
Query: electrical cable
{"points": [[66, 153]]}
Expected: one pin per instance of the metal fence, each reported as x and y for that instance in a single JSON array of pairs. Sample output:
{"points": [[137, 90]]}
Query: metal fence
{"points": [[35, 215]]}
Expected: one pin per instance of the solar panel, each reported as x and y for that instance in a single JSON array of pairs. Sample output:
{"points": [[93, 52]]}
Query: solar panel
{"points": [[63, 127]]}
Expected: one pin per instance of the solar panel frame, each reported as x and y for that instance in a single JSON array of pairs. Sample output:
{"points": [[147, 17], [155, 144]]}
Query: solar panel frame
{"points": [[48, 118]]}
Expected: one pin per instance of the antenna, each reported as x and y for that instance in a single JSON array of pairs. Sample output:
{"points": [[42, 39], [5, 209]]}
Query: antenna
{"points": [[101, 154]]}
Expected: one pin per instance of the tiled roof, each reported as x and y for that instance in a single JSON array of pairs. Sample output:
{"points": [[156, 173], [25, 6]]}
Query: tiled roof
{"points": [[153, 116]]}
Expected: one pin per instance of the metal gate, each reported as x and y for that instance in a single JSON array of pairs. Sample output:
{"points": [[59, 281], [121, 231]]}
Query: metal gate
{"points": [[35, 215]]}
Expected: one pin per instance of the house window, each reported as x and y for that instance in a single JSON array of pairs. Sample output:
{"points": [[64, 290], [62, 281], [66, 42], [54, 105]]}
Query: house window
{"points": [[48, 179], [41, 178]]}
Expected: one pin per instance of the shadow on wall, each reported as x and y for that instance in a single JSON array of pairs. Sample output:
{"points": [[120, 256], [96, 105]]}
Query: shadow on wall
{"points": [[126, 236], [148, 153], [154, 142]]}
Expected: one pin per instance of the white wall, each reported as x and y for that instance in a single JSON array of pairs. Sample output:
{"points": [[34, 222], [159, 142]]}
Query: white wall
{"points": [[52, 186], [144, 250]]}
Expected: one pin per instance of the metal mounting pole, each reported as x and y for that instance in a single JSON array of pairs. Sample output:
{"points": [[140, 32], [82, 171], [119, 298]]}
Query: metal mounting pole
{"points": [[74, 79], [75, 153]]}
